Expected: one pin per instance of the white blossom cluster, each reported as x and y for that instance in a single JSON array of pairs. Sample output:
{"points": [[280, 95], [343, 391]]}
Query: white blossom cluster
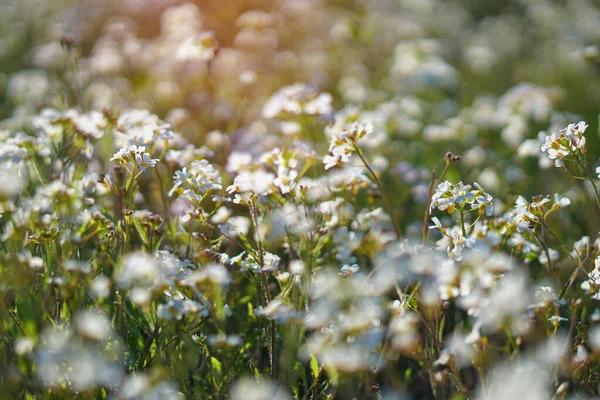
{"points": [[299, 199]]}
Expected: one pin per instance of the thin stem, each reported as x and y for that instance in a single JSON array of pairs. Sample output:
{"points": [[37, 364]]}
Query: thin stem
{"points": [[264, 283], [386, 200], [564, 249], [165, 201], [428, 209], [547, 253], [36, 167], [446, 168], [431, 187], [462, 222], [129, 195], [590, 178]]}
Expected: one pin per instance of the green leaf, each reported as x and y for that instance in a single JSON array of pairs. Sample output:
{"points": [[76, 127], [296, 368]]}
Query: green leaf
{"points": [[247, 246], [140, 230], [314, 366], [216, 365], [441, 332], [244, 299], [455, 381]]}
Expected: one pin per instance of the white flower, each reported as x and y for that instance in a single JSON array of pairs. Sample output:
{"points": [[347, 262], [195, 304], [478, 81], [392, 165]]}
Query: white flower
{"points": [[561, 201], [342, 143], [200, 47], [297, 267], [350, 269], [298, 99], [593, 283], [452, 197], [135, 155], [246, 262], [258, 182], [569, 141], [91, 124], [201, 178], [554, 255], [285, 162], [234, 226], [93, 325]]}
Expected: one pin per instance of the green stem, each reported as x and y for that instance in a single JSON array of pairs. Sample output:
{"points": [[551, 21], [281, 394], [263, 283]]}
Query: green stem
{"points": [[386, 200], [462, 222], [165, 201], [428, 209], [590, 178], [264, 284]]}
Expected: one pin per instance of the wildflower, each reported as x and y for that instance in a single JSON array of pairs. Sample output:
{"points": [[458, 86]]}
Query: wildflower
{"points": [[592, 284], [143, 274], [141, 128], [554, 256], [296, 267], [225, 341], [298, 99], [258, 182], [342, 144], [91, 124], [251, 389], [557, 319], [569, 141], [348, 270], [458, 350], [137, 156], [237, 160], [594, 339], [247, 262], [13, 179], [177, 306], [74, 361], [200, 178], [523, 216], [285, 163], [140, 385], [545, 295], [23, 346], [560, 201], [581, 248], [216, 274], [453, 197], [200, 47], [93, 325]]}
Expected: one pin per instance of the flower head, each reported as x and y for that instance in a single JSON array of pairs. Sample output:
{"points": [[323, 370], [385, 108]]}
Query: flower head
{"points": [[569, 141], [135, 155]]}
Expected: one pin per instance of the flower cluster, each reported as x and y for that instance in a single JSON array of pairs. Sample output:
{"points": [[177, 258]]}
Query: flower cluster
{"points": [[454, 198], [569, 141], [135, 156], [171, 218], [343, 144], [194, 182], [297, 99]]}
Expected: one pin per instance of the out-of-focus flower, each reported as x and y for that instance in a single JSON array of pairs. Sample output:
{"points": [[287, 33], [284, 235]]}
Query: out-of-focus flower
{"points": [[251, 389], [258, 182], [298, 99]]}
